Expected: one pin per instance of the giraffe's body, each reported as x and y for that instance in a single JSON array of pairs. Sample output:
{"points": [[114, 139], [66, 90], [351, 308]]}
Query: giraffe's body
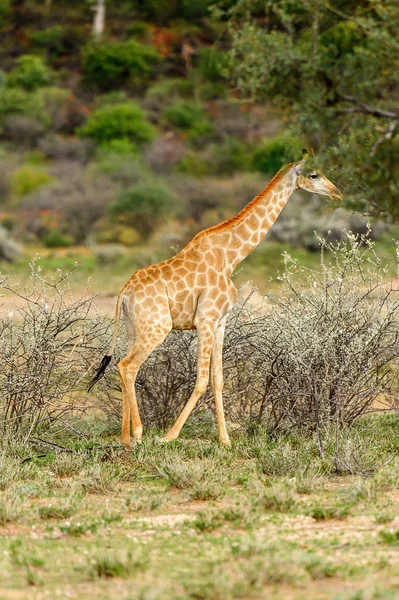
{"points": [[193, 290]]}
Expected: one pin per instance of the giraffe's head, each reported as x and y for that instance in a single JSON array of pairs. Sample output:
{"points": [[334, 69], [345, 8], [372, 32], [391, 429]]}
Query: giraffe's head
{"points": [[311, 179]]}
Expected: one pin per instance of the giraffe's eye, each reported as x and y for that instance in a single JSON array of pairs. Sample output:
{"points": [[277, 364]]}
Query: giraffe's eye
{"points": [[313, 176]]}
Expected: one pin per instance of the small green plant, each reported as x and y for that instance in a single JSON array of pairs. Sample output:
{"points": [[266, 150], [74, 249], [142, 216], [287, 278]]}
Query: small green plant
{"points": [[30, 73], [203, 479], [326, 513], [10, 509], [51, 38], [185, 115], [99, 479], [208, 519], [211, 63], [279, 497], [125, 120], [21, 557], [62, 509], [56, 239], [28, 179], [9, 471], [68, 464], [108, 566], [390, 537], [4, 11]]}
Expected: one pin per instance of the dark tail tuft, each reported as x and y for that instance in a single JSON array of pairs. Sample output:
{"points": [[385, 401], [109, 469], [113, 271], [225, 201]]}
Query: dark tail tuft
{"points": [[104, 364]]}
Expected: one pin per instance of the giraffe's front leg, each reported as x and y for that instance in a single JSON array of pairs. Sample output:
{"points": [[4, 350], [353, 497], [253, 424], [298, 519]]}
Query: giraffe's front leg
{"points": [[217, 383], [205, 342]]}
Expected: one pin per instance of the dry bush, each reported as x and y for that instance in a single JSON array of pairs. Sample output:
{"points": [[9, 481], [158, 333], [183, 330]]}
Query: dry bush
{"points": [[164, 153], [76, 200], [324, 351], [10, 250], [22, 130], [66, 148], [49, 342]]}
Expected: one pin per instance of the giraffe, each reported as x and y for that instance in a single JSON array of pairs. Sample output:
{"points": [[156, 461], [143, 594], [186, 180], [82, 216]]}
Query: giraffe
{"points": [[193, 290]]}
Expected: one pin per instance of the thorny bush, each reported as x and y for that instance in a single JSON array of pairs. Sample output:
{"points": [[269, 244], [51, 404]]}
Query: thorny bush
{"points": [[48, 343]]}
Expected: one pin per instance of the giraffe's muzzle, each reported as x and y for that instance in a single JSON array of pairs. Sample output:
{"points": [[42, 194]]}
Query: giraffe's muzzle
{"points": [[336, 194]]}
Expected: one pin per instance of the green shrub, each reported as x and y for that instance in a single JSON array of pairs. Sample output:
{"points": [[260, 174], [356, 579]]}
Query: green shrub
{"points": [[275, 153], [211, 63], [108, 65], [56, 239], [125, 120], [120, 146], [194, 10], [144, 205], [212, 90], [232, 156], [27, 179], [14, 101], [169, 88], [4, 11], [30, 73], [185, 114], [139, 29], [194, 164], [160, 10], [51, 38]]}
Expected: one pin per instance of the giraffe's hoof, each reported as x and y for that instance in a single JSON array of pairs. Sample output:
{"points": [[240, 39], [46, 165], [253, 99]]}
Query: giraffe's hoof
{"points": [[225, 442], [160, 440]]}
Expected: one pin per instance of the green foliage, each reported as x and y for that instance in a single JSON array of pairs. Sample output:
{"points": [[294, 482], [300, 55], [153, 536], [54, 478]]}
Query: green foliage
{"points": [[125, 120], [164, 89], [56, 239], [193, 11], [194, 164], [14, 101], [27, 179], [51, 38], [107, 65], [30, 73], [333, 73], [159, 10], [144, 205], [231, 156], [185, 114], [211, 63], [139, 29], [275, 153], [4, 11]]}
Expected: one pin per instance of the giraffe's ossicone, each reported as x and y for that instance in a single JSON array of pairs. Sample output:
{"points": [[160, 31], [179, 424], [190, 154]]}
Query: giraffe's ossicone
{"points": [[193, 290]]}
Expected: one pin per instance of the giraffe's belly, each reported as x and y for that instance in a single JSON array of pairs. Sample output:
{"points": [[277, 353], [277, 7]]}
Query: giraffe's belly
{"points": [[182, 306]]}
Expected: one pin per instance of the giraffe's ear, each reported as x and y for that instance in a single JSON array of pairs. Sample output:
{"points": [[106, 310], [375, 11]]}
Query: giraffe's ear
{"points": [[299, 165]]}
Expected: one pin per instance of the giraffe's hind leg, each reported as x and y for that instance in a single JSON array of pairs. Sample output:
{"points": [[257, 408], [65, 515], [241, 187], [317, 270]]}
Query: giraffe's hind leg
{"points": [[128, 368]]}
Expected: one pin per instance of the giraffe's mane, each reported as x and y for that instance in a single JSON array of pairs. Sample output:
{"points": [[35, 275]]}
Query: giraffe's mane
{"points": [[248, 207]]}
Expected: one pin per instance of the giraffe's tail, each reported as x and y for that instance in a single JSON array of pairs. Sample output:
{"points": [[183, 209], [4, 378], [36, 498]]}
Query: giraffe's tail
{"points": [[107, 358]]}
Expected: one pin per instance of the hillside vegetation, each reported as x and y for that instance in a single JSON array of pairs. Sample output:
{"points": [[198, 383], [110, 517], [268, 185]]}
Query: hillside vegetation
{"points": [[130, 142]]}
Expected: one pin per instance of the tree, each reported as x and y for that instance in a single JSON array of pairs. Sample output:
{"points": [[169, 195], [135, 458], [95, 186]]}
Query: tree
{"points": [[333, 68]]}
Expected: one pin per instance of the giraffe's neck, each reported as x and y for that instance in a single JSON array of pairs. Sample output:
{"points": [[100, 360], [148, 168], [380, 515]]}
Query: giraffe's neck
{"points": [[240, 235]]}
